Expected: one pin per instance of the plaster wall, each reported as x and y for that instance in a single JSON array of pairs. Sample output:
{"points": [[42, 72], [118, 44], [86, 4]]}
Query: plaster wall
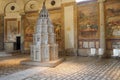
{"points": [[69, 26]]}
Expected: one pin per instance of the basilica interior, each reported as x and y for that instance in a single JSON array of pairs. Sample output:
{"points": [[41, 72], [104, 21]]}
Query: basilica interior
{"points": [[60, 40]]}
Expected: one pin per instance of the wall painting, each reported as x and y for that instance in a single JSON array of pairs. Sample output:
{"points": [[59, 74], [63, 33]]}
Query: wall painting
{"points": [[12, 29], [55, 16], [29, 21], [88, 25], [112, 8]]}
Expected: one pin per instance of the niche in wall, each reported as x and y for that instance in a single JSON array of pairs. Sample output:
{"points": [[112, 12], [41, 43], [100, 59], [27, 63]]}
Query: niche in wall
{"points": [[12, 26], [12, 29]]}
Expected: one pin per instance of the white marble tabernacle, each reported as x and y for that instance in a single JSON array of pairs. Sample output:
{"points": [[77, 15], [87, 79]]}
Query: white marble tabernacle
{"points": [[44, 47]]}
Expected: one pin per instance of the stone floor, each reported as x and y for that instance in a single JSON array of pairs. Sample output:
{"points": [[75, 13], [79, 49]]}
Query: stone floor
{"points": [[74, 68], [9, 65], [81, 68]]}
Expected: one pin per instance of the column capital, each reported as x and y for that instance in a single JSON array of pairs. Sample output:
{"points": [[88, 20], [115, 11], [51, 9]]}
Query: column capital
{"points": [[101, 1]]}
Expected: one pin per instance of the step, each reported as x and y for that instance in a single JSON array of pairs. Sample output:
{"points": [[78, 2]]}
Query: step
{"points": [[4, 54]]}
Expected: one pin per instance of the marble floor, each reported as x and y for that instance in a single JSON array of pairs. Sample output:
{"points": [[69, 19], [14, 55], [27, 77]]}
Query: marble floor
{"points": [[11, 64], [73, 68]]}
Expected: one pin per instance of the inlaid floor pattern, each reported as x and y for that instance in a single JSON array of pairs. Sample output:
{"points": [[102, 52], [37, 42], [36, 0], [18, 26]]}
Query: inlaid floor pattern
{"points": [[81, 68], [10, 65]]}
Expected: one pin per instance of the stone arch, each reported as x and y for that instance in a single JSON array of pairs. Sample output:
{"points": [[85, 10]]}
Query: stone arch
{"points": [[31, 5], [11, 7]]}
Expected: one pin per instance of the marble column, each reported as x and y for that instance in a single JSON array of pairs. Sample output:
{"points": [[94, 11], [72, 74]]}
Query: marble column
{"points": [[102, 28]]}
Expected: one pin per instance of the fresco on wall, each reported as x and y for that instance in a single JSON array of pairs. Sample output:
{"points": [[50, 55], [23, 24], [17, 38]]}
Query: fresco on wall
{"points": [[11, 30], [29, 24], [113, 19], [112, 8], [88, 26], [1, 32], [30, 19], [88, 21], [55, 16]]}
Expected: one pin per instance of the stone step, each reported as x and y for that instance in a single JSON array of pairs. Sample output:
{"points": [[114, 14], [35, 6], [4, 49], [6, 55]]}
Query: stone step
{"points": [[4, 54]]}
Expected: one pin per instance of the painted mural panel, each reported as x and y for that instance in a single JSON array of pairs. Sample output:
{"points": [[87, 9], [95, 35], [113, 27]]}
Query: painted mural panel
{"points": [[88, 21], [112, 8], [29, 21], [113, 18], [55, 16], [88, 25]]}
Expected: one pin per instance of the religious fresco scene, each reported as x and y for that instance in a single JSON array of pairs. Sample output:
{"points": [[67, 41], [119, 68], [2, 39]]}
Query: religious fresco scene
{"points": [[88, 26], [113, 24], [60, 40], [29, 21], [55, 16]]}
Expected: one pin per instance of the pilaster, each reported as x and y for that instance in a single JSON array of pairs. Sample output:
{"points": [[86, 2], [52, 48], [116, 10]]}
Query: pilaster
{"points": [[70, 27], [102, 26]]}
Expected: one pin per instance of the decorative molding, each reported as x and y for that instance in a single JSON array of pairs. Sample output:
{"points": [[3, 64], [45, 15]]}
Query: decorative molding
{"points": [[57, 8], [31, 12]]}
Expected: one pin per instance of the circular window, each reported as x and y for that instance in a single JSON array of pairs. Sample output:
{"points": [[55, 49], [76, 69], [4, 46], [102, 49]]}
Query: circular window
{"points": [[12, 7], [52, 2]]}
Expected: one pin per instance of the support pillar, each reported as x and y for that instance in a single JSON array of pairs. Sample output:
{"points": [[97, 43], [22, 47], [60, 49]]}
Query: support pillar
{"points": [[102, 27], [70, 28]]}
